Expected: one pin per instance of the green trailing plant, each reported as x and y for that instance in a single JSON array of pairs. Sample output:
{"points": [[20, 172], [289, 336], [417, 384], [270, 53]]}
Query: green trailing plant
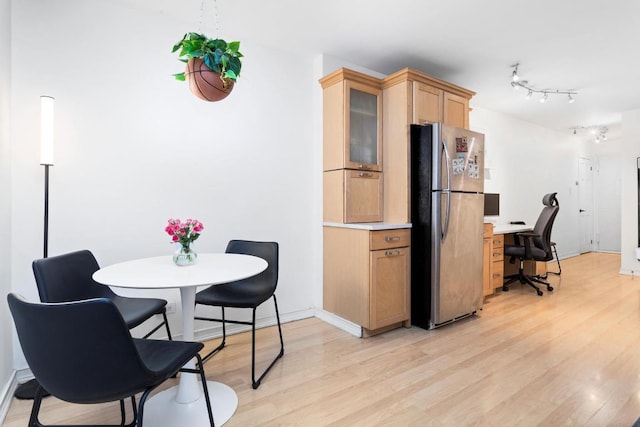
{"points": [[218, 55]]}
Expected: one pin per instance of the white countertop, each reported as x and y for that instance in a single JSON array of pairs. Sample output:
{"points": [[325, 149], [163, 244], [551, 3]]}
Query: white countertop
{"points": [[369, 225], [510, 228]]}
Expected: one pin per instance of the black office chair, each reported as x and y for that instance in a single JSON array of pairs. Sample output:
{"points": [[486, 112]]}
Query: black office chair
{"points": [[246, 293], [82, 352], [67, 277], [536, 245]]}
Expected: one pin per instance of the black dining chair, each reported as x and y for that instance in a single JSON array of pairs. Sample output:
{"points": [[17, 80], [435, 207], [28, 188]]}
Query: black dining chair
{"points": [[82, 352], [246, 293], [67, 277]]}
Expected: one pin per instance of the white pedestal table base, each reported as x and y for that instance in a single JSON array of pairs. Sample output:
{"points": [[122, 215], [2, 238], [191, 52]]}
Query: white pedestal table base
{"points": [[162, 410]]}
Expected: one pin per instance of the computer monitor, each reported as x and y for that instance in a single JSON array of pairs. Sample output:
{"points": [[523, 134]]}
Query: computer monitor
{"points": [[491, 204]]}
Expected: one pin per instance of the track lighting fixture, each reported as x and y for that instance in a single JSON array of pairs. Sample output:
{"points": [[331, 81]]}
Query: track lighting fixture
{"points": [[517, 82], [600, 132]]}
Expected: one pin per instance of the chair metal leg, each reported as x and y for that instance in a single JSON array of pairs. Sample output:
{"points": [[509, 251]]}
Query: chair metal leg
{"points": [[255, 384], [40, 394], [224, 336], [203, 379], [165, 322], [35, 409], [555, 253], [205, 389]]}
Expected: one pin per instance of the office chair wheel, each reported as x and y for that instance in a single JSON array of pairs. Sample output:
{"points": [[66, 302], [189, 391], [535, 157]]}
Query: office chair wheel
{"points": [[505, 289], [549, 288], [539, 292]]}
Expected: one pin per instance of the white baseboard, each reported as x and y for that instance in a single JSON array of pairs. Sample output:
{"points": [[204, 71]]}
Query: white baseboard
{"points": [[212, 332], [339, 322], [629, 272], [7, 395]]}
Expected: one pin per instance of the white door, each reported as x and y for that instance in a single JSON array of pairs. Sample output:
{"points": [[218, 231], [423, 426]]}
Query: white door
{"points": [[607, 203], [585, 201]]}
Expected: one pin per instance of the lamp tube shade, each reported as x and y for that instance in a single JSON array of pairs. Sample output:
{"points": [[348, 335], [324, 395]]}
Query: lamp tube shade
{"points": [[46, 130]]}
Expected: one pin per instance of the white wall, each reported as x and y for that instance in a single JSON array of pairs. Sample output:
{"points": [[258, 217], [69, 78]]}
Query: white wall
{"points": [[134, 147], [525, 162], [629, 190], [6, 326]]}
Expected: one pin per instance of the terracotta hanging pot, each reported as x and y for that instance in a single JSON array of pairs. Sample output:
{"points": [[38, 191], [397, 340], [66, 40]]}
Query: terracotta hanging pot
{"points": [[206, 84]]}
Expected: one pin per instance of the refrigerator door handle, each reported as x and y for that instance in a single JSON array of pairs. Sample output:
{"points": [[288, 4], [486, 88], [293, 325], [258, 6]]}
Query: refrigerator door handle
{"points": [[447, 191], [447, 160], [447, 214]]}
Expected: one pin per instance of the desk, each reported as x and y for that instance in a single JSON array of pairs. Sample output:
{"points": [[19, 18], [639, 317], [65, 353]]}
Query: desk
{"points": [[495, 267], [184, 404], [510, 228]]}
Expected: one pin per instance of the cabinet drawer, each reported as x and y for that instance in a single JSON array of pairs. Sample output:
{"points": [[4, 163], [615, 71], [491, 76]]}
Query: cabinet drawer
{"points": [[497, 253], [497, 274], [384, 239]]}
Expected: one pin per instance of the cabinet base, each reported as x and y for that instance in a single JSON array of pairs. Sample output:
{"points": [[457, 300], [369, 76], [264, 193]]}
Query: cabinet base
{"points": [[366, 333]]}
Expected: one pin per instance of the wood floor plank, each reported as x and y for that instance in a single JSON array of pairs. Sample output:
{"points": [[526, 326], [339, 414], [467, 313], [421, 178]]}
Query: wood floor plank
{"points": [[568, 358]]}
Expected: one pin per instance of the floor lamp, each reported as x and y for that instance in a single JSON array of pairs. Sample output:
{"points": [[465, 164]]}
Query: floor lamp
{"points": [[46, 157], [27, 390]]}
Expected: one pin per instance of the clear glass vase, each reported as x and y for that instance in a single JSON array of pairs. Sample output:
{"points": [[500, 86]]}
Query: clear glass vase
{"points": [[184, 256]]}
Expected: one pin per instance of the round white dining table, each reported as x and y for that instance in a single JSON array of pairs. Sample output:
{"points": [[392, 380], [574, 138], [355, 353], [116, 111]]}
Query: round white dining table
{"points": [[184, 404]]}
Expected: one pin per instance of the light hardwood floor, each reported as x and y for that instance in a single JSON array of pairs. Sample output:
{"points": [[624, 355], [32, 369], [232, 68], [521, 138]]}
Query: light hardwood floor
{"points": [[568, 358]]}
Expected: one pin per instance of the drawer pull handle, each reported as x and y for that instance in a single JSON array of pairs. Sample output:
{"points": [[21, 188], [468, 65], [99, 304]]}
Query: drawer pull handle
{"points": [[392, 238], [497, 253], [391, 253], [365, 174], [363, 166], [496, 275]]}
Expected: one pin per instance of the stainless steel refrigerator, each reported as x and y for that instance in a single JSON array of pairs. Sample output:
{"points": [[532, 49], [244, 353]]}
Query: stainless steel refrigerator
{"points": [[447, 184]]}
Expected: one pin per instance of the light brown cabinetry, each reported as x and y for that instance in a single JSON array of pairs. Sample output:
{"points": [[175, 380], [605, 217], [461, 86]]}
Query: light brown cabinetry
{"points": [[497, 261], [493, 260], [427, 103], [487, 236], [366, 276], [411, 97], [352, 141], [456, 110]]}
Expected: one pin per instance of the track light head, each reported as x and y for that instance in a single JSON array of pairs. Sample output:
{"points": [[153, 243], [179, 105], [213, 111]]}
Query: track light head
{"points": [[544, 98], [514, 75], [528, 97], [571, 99]]}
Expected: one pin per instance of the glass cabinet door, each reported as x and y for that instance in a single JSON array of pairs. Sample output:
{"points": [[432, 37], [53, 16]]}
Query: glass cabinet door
{"points": [[364, 133]]}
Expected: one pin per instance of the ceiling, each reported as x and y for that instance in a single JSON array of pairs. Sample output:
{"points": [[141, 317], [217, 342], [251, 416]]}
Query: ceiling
{"points": [[585, 46]]}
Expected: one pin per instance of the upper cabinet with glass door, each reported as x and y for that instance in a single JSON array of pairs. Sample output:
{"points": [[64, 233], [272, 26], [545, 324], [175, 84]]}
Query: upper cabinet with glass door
{"points": [[352, 110]]}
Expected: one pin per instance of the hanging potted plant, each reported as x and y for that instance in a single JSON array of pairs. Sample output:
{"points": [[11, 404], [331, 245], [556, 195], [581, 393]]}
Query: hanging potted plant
{"points": [[213, 65]]}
